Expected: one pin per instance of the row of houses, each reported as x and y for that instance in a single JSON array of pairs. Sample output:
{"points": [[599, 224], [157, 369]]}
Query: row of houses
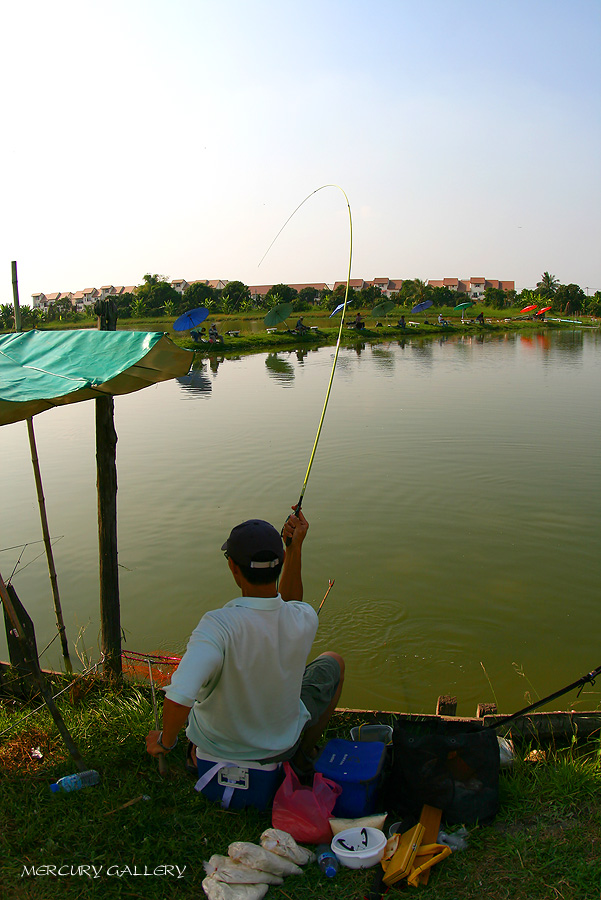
{"points": [[472, 287]]}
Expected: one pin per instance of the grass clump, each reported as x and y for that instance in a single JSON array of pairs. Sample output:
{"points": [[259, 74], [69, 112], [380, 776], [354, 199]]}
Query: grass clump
{"points": [[545, 842]]}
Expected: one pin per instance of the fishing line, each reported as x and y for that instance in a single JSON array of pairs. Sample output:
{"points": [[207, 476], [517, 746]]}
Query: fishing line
{"points": [[346, 293]]}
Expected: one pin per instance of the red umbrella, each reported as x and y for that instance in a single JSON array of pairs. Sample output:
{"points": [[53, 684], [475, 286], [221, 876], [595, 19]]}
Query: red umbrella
{"points": [[530, 308], [544, 310]]}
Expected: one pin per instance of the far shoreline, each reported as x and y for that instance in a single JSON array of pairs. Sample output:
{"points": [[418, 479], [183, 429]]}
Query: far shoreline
{"points": [[246, 333]]}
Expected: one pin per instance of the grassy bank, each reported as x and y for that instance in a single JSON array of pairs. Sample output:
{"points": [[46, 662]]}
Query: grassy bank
{"points": [[545, 842], [253, 336]]}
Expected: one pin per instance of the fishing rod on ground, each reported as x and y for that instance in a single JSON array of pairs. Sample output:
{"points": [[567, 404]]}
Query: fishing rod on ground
{"points": [[586, 679], [297, 508], [161, 761]]}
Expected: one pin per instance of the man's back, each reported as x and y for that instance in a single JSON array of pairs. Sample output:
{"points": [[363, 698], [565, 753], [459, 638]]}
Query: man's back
{"points": [[244, 666]]}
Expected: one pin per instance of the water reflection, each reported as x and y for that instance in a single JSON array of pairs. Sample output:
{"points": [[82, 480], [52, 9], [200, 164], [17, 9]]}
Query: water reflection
{"points": [[383, 358], [195, 382], [215, 362], [424, 351], [280, 369], [570, 343]]}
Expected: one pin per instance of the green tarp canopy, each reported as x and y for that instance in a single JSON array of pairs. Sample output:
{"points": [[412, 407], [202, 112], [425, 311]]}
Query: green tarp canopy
{"points": [[42, 369]]}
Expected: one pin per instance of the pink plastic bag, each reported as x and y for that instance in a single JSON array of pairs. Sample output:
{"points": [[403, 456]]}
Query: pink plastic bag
{"points": [[304, 812]]}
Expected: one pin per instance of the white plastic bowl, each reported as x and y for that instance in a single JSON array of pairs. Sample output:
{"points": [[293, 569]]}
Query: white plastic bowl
{"points": [[359, 848], [381, 733]]}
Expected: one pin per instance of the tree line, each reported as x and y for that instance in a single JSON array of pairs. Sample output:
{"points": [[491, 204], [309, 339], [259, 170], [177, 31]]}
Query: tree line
{"points": [[155, 297]]}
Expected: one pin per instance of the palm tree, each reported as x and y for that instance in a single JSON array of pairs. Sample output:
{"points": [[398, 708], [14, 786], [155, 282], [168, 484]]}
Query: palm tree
{"points": [[415, 291], [6, 316], [547, 286]]}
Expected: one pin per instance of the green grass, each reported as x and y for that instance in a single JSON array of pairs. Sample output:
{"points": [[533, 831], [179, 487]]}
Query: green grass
{"points": [[545, 843]]}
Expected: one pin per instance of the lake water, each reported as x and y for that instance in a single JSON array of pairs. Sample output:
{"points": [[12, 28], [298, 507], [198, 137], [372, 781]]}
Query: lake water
{"points": [[455, 500]]}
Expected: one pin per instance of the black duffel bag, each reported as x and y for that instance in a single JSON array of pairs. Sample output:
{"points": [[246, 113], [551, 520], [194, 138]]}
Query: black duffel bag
{"points": [[453, 766]]}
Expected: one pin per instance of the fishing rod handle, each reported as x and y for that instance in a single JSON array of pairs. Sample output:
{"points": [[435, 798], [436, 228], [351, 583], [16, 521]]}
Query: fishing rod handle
{"points": [[295, 512]]}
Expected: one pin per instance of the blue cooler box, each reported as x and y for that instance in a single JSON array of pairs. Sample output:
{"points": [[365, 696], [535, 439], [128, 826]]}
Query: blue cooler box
{"points": [[240, 784], [356, 767]]}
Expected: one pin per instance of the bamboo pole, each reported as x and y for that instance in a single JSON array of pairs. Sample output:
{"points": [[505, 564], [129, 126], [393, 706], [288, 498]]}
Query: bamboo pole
{"points": [[106, 474], [60, 624], [41, 501], [13, 266]]}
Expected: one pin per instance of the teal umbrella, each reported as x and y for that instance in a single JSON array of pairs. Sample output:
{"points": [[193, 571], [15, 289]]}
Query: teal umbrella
{"points": [[278, 314], [382, 309], [463, 306]]}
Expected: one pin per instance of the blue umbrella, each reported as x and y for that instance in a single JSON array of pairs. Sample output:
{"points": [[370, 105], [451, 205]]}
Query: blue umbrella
{"points": [[190, 319], [425, 304], [338, 308]]}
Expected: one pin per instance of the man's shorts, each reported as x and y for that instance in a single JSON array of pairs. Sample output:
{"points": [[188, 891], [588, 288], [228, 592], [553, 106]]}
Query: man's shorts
{"points": [[320, 682]]}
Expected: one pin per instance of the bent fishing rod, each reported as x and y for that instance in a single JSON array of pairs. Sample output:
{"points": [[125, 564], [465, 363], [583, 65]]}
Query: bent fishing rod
{"points": [[344, 305], [586, 679]]}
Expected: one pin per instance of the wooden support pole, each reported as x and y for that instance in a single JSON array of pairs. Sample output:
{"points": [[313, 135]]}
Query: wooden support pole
{"points": [[13, 266], [106, 474], [30, 655], [60, 624]]}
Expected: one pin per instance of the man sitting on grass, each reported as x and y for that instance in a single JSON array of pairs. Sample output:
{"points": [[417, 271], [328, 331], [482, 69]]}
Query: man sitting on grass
{"points": [[243, 685]]}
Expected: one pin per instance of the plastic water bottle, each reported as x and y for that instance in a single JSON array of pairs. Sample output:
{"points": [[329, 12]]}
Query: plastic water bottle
{"points": [[327, 860], [75, 782]]}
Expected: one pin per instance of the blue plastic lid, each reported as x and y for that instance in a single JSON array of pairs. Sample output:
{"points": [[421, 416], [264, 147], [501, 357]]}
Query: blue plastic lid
{"points": [[344, 761], [55, 787]]}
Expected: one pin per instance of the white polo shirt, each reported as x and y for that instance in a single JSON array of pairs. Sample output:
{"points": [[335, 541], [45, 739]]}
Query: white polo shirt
{"points": [[242, 673]]}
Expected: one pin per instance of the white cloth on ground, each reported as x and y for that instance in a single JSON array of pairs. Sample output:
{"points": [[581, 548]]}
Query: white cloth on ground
{"points": [[218, 890], [283, 844], [223, 868], [258, 858]]}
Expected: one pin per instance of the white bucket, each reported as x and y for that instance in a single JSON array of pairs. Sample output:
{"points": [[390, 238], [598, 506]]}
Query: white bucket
{"points": [[359, 848]]}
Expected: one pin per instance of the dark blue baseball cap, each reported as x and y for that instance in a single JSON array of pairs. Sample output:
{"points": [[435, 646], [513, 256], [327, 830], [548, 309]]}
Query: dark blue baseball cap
{"points": [[256, 544]]}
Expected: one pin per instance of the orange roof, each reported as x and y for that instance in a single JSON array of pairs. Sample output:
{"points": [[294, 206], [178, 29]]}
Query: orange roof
{"points": [[355, 283], [260, 289], [318, 285]]}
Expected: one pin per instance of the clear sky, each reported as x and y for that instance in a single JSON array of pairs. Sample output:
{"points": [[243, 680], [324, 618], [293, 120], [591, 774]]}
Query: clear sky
{"points": [[177, 136]]}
